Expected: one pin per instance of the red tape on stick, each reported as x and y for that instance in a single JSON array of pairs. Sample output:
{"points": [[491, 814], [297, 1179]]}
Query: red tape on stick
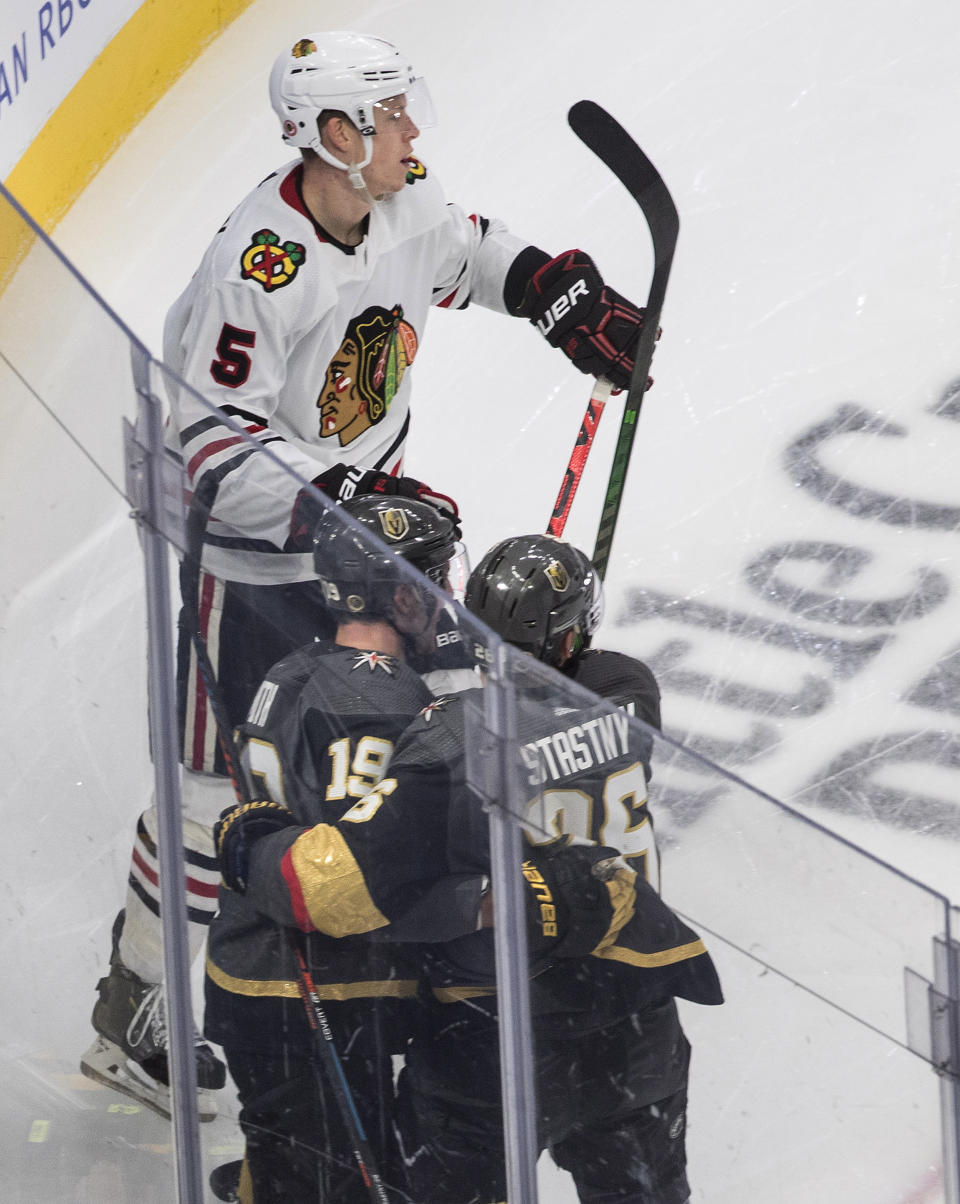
{"points": [[578, 457]]}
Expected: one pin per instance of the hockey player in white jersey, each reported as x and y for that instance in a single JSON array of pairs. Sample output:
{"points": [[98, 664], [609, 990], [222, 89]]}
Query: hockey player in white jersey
{"points": [[301, 327]]}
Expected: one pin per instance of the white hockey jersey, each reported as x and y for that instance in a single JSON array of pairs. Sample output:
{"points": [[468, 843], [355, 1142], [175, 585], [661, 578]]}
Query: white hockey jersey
{"points": [[308, 345]]}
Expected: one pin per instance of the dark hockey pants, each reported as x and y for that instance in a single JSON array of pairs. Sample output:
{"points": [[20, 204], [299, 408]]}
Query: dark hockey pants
{"points": [[612, 1106], [297, 1145]]}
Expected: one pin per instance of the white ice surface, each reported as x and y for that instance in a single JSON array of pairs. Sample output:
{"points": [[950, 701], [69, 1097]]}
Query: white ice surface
{"points": [[809, 147]]}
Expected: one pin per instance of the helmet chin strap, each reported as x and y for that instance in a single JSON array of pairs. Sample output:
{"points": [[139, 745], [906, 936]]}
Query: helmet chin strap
{"points": [[354, 170]]}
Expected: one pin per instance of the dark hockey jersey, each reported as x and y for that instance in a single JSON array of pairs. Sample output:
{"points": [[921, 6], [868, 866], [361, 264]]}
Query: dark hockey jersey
{"points": [[620, 679], [583, 776], [319, 737]]}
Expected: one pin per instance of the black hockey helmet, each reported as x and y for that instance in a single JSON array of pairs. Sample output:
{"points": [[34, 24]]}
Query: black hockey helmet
{"points": [[359, 576], [532, 589]]}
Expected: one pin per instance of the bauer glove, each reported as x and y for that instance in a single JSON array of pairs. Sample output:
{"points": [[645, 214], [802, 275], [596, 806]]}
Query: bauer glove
{"points": [[596, 329], [570, 910], [236, 832], [342, 482]]}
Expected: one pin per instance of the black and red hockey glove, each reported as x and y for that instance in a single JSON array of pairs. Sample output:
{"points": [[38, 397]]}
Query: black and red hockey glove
{"points": [[342, 482], [236, 832], [597, 329]]}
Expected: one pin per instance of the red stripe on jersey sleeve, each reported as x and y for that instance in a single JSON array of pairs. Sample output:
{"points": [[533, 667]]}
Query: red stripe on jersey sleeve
{"points": [[209, 450], [205, 890], [297, 902], [148, 873]]}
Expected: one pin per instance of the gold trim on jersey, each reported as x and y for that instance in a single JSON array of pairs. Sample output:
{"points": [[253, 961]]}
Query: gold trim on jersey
{"points": [[398, 988], [334, 891], [667, 957], [623, 896], [245, 1186], [623, 899], [455, 994]]}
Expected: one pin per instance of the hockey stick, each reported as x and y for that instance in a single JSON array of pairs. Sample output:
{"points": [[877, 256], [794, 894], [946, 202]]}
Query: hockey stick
{"points": [[610, 142], [197, 516], [578, 457]]}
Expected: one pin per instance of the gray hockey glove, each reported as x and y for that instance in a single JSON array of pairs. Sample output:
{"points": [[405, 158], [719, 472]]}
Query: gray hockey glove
{"points": [[238, 829]]}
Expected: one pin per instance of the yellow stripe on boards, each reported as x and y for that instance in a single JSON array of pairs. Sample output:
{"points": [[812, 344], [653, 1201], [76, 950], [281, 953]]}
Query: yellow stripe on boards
{"points": [[132, 72]]}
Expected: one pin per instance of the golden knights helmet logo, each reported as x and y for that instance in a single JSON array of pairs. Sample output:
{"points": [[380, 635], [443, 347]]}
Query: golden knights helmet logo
{"points": [[558, 576], [395, 524]]}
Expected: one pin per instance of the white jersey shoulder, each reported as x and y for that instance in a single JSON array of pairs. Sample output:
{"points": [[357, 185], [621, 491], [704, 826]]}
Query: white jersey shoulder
{"points": [[308, 345]]}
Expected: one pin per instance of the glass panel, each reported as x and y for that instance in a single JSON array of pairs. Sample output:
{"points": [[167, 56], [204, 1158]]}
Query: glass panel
{"points": [[73, 358], [797, 1080], [798, 1076], [353, 818], [74, 716]]}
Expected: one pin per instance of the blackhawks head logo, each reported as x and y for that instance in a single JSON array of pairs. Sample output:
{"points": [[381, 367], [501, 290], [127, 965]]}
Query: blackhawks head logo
{"points": [[271, 263], [365, 374]]}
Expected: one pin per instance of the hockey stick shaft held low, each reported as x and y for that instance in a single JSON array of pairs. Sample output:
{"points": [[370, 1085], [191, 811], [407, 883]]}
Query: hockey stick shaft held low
{"points": [[197, 516]]}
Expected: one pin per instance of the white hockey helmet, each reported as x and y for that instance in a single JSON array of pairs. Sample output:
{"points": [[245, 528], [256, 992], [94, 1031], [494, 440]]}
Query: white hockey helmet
{"points": [[346, 71]]}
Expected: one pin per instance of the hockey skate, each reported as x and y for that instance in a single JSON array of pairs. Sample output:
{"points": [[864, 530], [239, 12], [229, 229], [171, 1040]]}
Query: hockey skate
{"points": [[130, 1050], [225, 1180]]}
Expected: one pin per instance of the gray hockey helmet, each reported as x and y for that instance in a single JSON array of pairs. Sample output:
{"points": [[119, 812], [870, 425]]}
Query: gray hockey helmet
{"points": [[359, 575], [532, 589]]}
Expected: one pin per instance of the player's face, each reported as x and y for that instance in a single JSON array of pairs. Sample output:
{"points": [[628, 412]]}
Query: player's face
{"points": [[392, 145]]}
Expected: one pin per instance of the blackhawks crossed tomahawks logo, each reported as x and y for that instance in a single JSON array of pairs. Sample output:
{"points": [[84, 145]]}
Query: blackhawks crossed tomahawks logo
{"points": [[271, 263]]}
